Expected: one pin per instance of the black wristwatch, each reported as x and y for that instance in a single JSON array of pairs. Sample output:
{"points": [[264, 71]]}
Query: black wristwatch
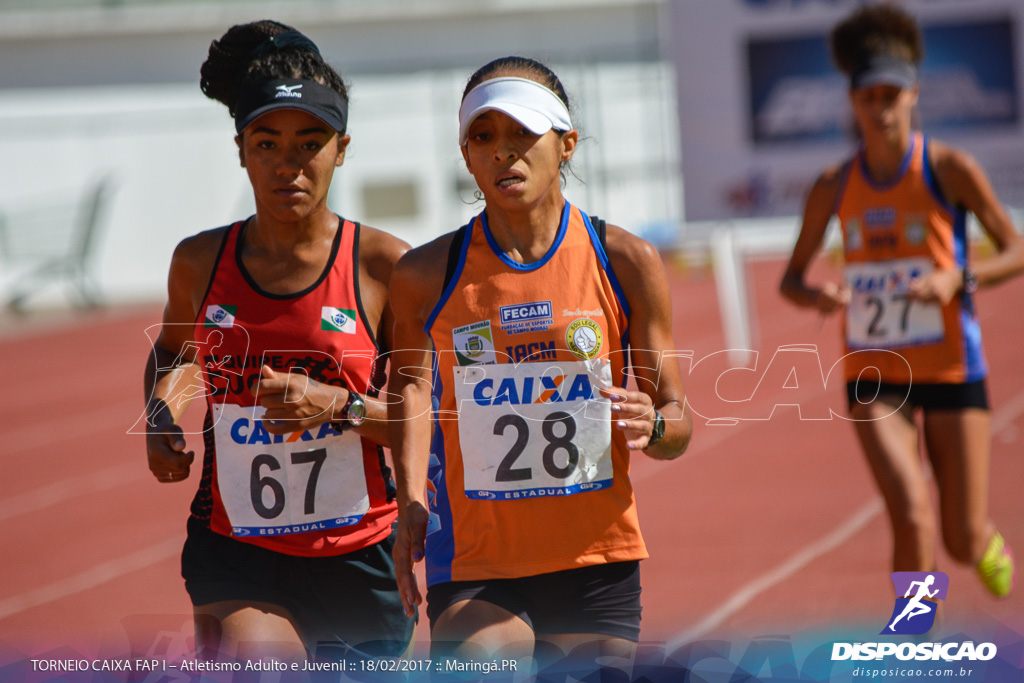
{"points": [[970, 280], [353, 413], [658, 433]]}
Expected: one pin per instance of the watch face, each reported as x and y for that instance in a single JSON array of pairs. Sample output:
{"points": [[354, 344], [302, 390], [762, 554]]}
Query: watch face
{"points": [[659, 427], [356, 412]]}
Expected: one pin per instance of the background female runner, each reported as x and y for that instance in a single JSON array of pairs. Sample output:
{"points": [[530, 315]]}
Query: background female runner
{"points": [[902, 201]]}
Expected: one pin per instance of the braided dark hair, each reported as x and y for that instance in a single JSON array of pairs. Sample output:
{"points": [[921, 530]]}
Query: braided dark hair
{"points": [[876, 31], [241, 59]]}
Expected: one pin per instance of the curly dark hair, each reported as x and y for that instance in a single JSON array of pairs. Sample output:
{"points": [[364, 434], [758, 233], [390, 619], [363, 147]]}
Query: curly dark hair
{"points": [[235, 63], [872, 31]]}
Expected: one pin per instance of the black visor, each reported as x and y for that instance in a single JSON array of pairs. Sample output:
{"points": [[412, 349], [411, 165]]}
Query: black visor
{"points": [[292, 93]]}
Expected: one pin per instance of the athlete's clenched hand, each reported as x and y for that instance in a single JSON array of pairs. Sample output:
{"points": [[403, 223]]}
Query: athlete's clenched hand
{"points": [[294, 401], [165, 446]]}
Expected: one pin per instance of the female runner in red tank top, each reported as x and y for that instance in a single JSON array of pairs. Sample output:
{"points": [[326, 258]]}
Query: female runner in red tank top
{"points": [[902, 203], [280, 319], [529, 528]]}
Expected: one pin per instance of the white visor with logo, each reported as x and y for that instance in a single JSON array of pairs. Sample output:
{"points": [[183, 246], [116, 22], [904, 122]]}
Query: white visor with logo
{"points": [[528, 102]]}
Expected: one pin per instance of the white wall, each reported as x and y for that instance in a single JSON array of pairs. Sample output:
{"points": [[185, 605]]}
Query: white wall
{"points": [[176, 172], [170, 154]]}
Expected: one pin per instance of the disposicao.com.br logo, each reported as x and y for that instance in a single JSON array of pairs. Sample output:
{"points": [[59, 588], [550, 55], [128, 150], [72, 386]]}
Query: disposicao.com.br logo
{"points": [[917, 596]]}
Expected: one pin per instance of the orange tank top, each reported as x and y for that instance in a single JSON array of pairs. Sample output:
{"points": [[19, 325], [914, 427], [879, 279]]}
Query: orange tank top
{"points": [[892, 233], [527, 475]]}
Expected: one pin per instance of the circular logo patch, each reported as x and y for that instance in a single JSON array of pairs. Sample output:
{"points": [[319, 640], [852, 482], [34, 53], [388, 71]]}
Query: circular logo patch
{"points": [[584, 338], [474, 346], [915, 233]]}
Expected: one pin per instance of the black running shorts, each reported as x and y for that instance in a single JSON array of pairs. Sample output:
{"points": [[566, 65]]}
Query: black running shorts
{"points": [[350, 598], [600, 599]]}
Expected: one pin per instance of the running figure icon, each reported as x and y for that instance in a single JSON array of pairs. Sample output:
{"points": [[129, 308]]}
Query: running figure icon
{"points": [[917, 595], [917, 606]]}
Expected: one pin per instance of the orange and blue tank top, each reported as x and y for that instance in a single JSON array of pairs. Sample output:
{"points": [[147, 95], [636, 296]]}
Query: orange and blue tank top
{"points": [[313, 492], [892, 233], [526, 474]]}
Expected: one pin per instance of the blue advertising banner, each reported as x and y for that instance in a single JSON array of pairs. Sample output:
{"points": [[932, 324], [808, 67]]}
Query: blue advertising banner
{"points": [[968, 81], [763, 110]]}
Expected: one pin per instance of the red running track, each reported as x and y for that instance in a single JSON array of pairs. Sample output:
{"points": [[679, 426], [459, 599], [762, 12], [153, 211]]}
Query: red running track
{"points": [[763, 527]]}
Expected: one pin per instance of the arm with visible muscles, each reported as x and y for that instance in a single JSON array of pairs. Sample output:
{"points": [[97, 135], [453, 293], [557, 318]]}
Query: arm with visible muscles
{"points": [[640, 272], [416, 287], [964, 184], [830, 297], [172, 376]]}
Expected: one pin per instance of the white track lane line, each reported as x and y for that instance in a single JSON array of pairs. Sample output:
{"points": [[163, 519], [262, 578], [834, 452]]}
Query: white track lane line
{"points": [[51, 431], [58, 492], [1010, 410], [90, 578], [793, 564]]}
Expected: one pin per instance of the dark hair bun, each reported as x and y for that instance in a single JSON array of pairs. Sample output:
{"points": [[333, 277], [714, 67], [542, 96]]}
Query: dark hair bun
{"points": [[240, 59]]}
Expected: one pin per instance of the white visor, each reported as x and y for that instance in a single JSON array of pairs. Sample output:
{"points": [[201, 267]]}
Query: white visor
{"points": [[528, 102]]}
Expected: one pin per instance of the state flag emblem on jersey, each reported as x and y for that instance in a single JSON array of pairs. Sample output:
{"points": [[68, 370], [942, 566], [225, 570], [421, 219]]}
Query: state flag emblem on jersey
{"points": [[220, 315], [338, 320]]}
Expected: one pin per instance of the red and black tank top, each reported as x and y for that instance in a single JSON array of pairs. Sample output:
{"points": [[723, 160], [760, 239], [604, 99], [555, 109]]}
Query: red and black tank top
{"points": [[314, 492]]}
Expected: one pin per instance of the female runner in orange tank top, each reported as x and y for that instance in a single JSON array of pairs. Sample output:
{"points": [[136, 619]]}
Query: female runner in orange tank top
{"points": [[528, 523], [278, 319], [902, 203]]}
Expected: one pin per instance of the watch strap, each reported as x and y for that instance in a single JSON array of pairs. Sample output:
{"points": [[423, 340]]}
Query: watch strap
{"points": [[343, 424], [659, 429], [970, 280]]}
